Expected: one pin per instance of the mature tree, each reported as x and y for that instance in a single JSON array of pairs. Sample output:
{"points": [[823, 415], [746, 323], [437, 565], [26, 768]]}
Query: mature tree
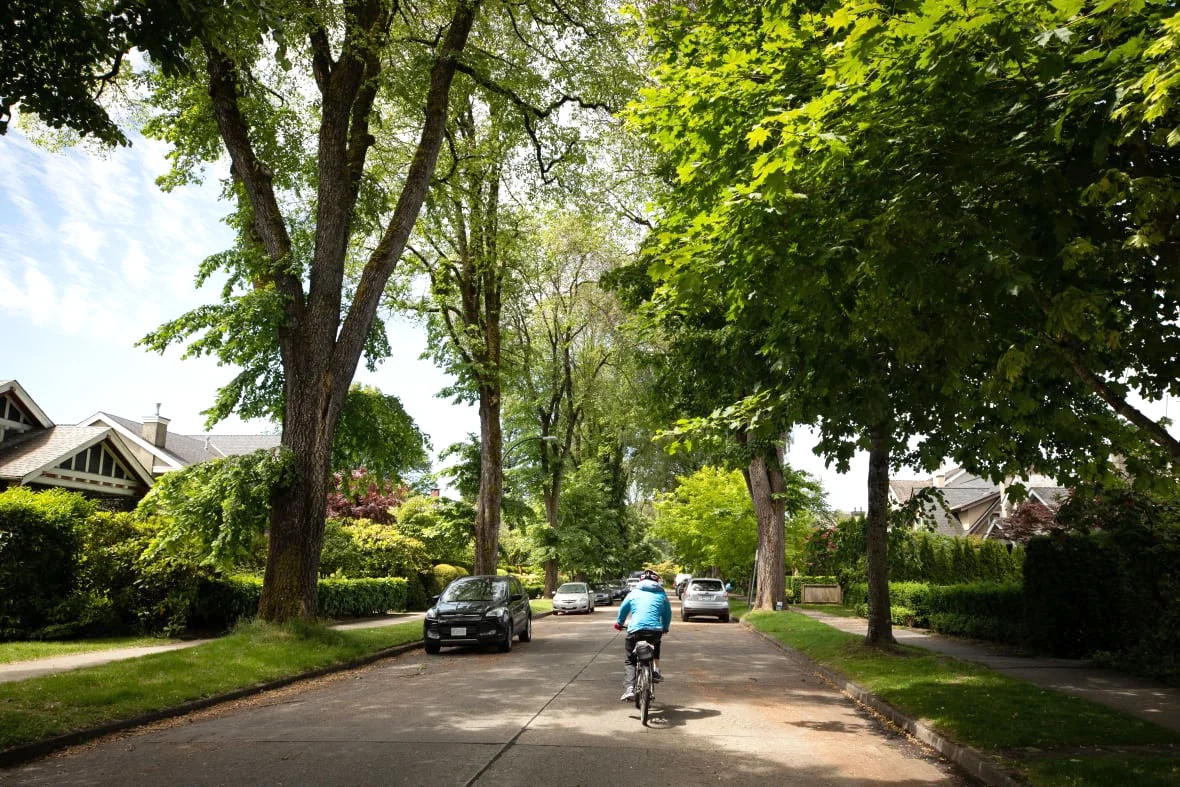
{"points": [[564, 334], [903, 235], [508, 130], [376, 433], [709, 521]]}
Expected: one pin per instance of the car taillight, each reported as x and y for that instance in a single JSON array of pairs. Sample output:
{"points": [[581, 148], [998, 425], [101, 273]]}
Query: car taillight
{"points": [[724, 596]]}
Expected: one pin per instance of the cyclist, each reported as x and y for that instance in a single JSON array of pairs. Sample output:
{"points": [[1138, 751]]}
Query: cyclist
{"points": [[651, 616]]}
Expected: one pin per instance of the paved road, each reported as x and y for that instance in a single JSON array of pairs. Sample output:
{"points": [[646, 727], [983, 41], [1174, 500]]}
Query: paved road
{"points": [[734, 710]]}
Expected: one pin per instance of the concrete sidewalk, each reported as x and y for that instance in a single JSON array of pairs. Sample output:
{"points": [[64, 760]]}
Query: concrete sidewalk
{"points": [[23, 670], [1139, 697]]}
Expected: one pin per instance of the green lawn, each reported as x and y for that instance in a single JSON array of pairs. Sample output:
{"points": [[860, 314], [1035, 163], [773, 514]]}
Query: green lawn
{"points": [[973, 705], [54, 704], [738, 608], [541, 605], [24, 651]]}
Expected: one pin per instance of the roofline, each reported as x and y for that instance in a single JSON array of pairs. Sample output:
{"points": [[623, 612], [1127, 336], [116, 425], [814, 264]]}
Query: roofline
{"points": [[126, 433], [27, 401], [57, 459], [136, 466], [975, 502]]}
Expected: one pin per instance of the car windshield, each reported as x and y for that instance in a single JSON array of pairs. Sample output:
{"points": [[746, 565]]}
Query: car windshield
{"points": [[707, 585], [572, 587], [476, 589]]}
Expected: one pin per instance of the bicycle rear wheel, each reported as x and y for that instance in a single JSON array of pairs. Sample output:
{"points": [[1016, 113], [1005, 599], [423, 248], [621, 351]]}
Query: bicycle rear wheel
{"points": [[645, 697]]}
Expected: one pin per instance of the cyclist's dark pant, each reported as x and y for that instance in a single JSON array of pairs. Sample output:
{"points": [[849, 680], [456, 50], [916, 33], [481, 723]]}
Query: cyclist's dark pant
{"points": [[651, 636]]}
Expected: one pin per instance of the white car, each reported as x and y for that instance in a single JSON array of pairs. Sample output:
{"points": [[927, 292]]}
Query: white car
{"points": [[705, 596], [573, 597]]}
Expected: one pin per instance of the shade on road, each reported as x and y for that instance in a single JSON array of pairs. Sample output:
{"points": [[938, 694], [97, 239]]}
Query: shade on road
{"points": [[733, 709]]}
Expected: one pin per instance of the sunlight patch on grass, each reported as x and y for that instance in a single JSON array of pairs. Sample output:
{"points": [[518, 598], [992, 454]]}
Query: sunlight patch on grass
{"points": [[254, 653]]}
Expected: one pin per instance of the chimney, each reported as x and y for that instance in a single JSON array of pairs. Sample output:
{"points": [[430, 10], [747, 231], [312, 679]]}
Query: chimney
{"points": [[434, 492], [155, 428], [940, 481]]}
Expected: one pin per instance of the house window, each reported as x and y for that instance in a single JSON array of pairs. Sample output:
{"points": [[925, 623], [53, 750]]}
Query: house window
{"points": [[94, 462]]}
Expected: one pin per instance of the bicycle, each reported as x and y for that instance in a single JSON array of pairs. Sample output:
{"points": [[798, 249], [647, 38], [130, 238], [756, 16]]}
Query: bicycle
{"points": [[645, 685]]}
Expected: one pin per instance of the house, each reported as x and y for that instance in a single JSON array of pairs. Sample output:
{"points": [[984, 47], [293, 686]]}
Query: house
{"points": [[36, 452], [104, 456], [971, 505], [163, 451]]}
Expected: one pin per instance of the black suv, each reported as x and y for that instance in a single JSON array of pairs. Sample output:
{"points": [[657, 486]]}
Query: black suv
{"points": [[480, 610]]}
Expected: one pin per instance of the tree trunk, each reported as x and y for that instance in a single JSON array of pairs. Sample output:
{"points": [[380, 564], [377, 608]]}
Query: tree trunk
{"points": [[552, 494], [297, 512], [877, 539], [765, 482], [491, 479]]}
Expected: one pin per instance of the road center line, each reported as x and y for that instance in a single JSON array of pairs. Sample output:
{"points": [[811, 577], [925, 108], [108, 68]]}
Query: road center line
{"points": [[548, 702]]}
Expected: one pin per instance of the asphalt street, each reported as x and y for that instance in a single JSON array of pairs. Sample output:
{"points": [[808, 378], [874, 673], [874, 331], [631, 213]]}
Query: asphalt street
{"points": [[732, 710]]}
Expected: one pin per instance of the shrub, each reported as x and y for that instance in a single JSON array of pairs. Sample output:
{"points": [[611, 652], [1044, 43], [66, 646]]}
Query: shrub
{"points": [[442, 575], [37, 547], [981, 610], [343, 598], [358, 548]]}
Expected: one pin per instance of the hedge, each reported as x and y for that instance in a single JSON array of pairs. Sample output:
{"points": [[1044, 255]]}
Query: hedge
{"points": [[980, 610], [225, 600]]}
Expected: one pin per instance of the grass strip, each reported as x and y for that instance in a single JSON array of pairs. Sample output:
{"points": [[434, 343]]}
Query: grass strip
{"points": [[1083, 772], [738, 609], [36, 649], [51, 705], [541, 605], [969, 703]]}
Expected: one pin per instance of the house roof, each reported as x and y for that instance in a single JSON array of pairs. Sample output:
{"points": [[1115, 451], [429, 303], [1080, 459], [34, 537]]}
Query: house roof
{"points": [[182, 450], [42, 448], [23, 397], [1052, 496]]}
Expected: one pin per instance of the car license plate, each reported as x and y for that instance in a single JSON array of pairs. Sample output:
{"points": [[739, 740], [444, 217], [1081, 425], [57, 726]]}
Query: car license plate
{"points": [[458, 631]]}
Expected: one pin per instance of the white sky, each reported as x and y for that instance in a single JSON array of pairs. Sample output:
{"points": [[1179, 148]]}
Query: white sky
{"points": [[93, 256]]}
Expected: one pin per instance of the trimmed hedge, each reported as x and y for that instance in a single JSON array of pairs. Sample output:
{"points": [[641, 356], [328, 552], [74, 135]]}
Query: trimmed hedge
{"points": [[442, 575], [225, 600], [980, 610]]}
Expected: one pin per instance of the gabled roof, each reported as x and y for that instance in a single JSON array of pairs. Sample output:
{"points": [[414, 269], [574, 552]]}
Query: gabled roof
{"points": [[26, 400], [1052, 496], [183, 450], [31, 453]]}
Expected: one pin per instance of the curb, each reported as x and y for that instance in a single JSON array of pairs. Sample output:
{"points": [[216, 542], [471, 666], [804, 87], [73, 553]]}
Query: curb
{"points": [[22, 753], [973, 761]]}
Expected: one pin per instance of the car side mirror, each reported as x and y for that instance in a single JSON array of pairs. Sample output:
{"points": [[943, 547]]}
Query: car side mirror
{"points": [[434, 600], [552, 593], [516, 597]]}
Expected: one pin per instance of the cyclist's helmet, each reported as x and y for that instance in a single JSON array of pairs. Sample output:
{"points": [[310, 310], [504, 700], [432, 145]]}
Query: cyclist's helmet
{"points": [[649, 574]]}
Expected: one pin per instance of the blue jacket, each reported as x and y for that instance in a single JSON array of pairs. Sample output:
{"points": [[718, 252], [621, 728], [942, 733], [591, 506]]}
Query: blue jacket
{"points": [[648, 607]]}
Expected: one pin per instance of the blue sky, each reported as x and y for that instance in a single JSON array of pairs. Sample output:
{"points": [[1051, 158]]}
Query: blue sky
{"points": [[93, 256]]}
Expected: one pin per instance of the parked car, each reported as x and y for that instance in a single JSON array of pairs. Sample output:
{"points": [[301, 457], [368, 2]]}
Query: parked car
{"points": [[705, 596], [602, 595], [618, 590], [573, 597], [479, 610]]}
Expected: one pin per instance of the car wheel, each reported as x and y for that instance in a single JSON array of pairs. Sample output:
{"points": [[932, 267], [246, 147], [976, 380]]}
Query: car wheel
{"points": [[725, 618], [432, 648], [506, 643], [527, 634], [684, 616]]}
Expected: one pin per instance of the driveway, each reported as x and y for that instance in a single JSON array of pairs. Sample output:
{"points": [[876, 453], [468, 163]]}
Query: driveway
{"points": [[733, 710]]}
